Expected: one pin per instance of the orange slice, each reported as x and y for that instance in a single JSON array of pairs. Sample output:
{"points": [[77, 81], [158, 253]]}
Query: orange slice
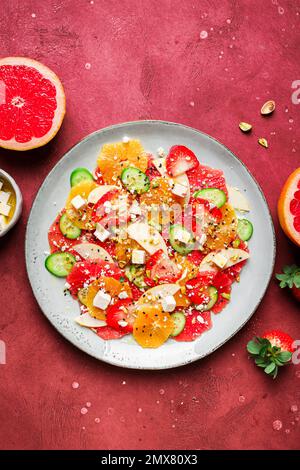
{"points": [[224, 232], [152, 326], [124, 249], [114, 158], [109, 285], [289, 207], [81, 218]]}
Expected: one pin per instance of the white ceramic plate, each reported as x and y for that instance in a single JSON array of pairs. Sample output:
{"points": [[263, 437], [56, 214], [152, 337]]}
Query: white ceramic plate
{"points": [[61, 310]]}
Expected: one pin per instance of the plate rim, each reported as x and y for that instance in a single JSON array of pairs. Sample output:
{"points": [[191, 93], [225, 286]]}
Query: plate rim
{"points": [[59, 163]]}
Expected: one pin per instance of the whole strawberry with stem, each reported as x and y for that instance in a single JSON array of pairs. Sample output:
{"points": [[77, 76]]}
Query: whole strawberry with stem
{"points": [[271, 351], [290, 278]]}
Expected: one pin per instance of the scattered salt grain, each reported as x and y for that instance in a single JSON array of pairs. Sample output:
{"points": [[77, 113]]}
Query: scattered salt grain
{"points": [[75, 385], [294, 408], [88, 404], [97, 420], [203, 34], [84, 411], [88, 66]]}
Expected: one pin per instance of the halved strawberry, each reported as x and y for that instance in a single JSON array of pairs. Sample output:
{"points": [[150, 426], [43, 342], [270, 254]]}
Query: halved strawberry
{"points": [[280, 339], [273, 350], [196, 324], [161, 268], [180, 159], [119, 316]]}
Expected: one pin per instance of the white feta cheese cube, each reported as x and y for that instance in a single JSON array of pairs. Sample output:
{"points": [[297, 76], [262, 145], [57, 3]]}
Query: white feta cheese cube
{"points": [[135, 208], [183, 236], [78, 202], [2, 223], [101, 300], [220, 260], [4, 197], [123, 295], [4, 209], [160, 152], [168, 303], [101, 233], [179, 190], [138, 257]]}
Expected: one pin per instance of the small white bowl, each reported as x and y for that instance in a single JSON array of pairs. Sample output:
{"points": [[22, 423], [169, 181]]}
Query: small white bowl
{"points": [[19, 202]]}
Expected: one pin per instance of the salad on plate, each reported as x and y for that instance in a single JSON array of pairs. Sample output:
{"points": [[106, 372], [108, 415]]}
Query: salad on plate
{"points": [[150, 245]]}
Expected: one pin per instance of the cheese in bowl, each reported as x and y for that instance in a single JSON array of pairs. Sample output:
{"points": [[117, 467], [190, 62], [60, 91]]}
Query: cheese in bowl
{"points": [[10, 202]]}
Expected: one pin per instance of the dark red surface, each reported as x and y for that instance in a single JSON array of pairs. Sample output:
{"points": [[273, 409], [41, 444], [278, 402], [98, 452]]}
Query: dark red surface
{"points": [[148, 61]]}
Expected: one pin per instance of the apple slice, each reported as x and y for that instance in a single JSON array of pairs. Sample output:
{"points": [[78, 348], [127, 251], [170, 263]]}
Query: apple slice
{"points": [[89, 322], [233, 256], [91, 251], [238, 200], [184, 181], [148, 237], [155, 294], [98, 192]]}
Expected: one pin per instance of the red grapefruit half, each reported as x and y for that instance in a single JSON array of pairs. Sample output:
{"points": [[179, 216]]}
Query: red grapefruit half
{"points": [[32, 103], [289, 207]]}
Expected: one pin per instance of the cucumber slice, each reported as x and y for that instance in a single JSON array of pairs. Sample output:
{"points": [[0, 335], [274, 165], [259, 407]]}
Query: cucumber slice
{"points": [[179, 323], [135, 274], [178, 233], [135, 180], [80, 174], [244, 229], [213, 294], [215, 196], [60, 264], [68, 229]]}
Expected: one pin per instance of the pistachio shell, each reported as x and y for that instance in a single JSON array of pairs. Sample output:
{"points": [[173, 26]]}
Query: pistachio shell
{"points": [[245, 126], [268, 107], [263, 142]]}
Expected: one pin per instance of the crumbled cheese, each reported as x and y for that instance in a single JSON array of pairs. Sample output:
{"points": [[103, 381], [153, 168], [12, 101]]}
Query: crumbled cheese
{"points": [[135, 208], [78, 202], [200, 319], [123, 295], [125, 139], [67, 285], [138, 257], [168, 303], [160, 152], [220, 260], [101, 233], [122, 323], [179, 190], [101, 300]]}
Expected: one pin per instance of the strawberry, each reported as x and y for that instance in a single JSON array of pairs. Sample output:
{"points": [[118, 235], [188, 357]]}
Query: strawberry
{"points": [[290, 278], [180, 159], [271, 351], [118, 316]]}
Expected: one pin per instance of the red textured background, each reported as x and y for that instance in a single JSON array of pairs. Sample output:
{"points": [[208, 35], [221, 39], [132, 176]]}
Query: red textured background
{"points": [[148, 61]]}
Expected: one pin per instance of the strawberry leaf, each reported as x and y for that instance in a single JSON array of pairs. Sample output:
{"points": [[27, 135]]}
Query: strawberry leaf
{"points": [[270, 368], [284, 356], [253, 347], [289, 277]]}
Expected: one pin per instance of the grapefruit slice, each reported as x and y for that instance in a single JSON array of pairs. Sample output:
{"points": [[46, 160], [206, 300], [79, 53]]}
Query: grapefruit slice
{"points": [[32, 103], [289, 207]]}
